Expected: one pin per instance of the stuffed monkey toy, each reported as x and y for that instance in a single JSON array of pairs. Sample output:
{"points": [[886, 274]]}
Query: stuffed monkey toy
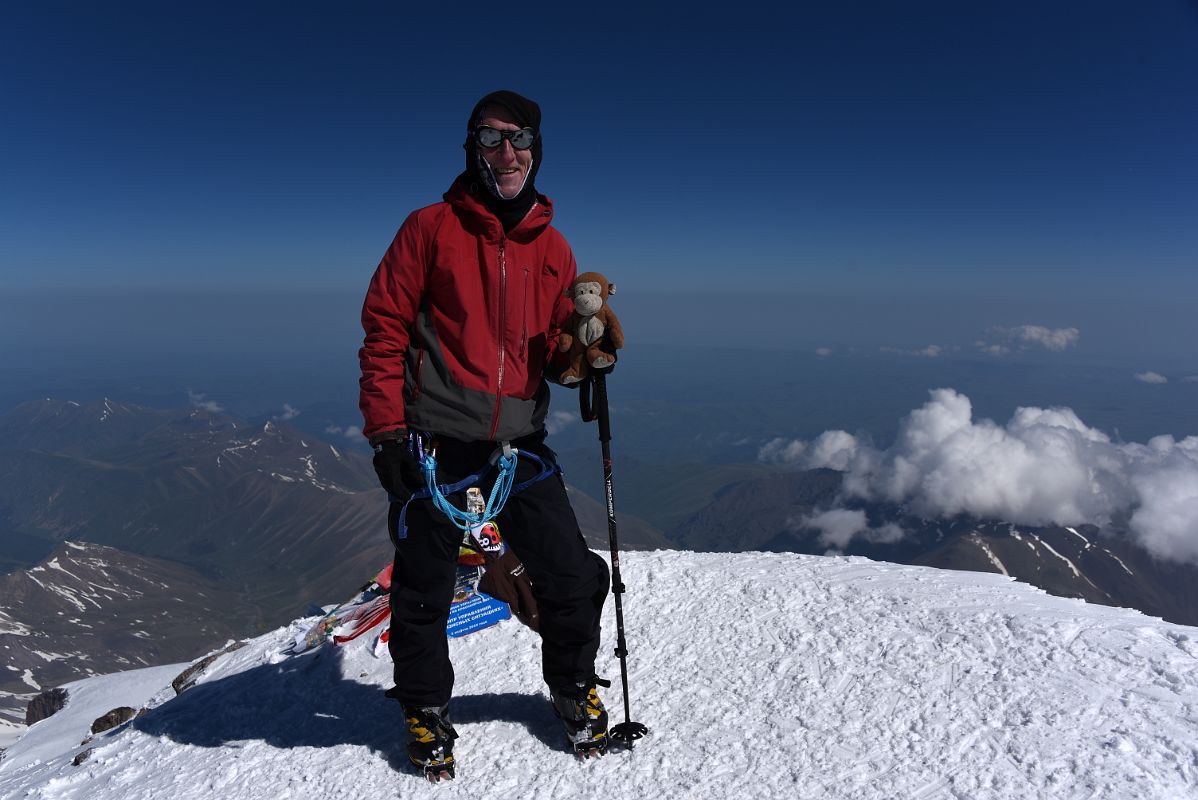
{"points": [[590, 324]]}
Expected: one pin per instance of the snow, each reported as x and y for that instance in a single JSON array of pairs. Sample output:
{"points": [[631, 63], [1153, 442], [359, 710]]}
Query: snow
{"points": [[760, 675], [10, 731], [1070, 564], [1112, 555], [53, 564], [309, 467], [10, 627], [27, 678], [29, 574], [994, 559], [48, 746], [1078, 535]]}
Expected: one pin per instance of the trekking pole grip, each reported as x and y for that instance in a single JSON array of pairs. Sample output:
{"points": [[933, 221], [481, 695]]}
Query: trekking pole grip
{"points": [[586, 405]]}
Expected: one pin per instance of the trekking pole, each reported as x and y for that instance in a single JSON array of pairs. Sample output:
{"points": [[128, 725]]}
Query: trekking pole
{"points": [[593, 408]]}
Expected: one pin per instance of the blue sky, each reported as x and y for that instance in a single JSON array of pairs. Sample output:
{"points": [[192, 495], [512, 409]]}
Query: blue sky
{"points": [[815, 216], [855, 176], [938, 143]]}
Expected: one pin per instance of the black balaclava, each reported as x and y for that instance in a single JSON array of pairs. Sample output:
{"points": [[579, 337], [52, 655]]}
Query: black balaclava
{"points": [[527, 114]]}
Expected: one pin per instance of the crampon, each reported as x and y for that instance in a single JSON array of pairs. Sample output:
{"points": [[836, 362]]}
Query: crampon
{"points": [[584, 719], [431, 745]]}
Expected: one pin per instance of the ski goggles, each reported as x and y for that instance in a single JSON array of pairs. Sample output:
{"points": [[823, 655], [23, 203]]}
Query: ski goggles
{"points": [[521, 139]]}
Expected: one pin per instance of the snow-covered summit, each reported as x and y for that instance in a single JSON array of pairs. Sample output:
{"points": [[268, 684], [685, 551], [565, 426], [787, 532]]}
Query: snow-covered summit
{"points": [[766, 675]]}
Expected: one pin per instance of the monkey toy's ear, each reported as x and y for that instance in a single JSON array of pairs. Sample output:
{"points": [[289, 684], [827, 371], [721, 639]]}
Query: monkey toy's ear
{"points": [[611, 288]]}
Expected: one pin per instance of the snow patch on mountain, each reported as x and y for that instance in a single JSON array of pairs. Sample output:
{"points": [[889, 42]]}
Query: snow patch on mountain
{"points": [[772, 675], [989, 553]]}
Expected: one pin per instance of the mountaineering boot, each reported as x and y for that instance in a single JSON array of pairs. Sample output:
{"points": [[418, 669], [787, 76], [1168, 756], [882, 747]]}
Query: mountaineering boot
{"points": [[431, 744], [584, 718]]}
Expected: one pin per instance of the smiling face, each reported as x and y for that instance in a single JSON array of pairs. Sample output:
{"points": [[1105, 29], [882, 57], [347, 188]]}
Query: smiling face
{"points": [[509, 165]]}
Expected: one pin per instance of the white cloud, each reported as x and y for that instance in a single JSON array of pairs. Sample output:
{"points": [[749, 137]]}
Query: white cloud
{"points": [[931, 351], [833, 449], [1167, 485], [1190, 379], [823, 352], [1024, 337], [288, 412], [353, 432], [557, 421], [199, 401], [1151, 377], [781, 451], [993, 349], [839, 526], [1055, 339], [1043, 467]]}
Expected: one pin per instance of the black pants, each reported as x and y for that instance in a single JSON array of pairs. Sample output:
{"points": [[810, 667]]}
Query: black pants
{"points": [[569, 582]]}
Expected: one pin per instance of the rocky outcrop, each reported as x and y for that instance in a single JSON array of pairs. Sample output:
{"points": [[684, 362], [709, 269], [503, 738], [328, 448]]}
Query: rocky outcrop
{"points": [[46, 704], [118, 716], [187, 678]]}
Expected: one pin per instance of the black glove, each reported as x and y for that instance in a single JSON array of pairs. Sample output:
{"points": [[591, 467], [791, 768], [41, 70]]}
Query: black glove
{"points": [[398, 469]]}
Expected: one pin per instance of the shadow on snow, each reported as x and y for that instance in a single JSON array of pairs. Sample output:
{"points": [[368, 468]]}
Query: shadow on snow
{"points": [[305, 701]]}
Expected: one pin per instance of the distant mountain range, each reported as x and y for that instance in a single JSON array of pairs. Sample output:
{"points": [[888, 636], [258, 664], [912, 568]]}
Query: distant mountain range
{"points": [[281, 516], [773, 512], [210, 528], [263, 506], [202, 527]]}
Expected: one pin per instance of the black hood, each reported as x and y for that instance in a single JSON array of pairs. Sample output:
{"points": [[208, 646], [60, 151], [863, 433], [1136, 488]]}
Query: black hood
{"points": [[527, 115]]}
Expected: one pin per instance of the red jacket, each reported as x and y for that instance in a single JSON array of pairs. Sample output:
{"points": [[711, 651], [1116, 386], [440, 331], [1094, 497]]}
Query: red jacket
{"points": [[461, 321]]}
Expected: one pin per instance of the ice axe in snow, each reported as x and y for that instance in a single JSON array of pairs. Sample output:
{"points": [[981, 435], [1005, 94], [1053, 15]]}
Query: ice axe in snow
{"points": [[592, 402]]}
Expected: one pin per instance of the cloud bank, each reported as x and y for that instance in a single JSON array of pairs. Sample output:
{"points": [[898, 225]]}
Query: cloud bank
{"points": [[1043, 467], [1151, 377]]}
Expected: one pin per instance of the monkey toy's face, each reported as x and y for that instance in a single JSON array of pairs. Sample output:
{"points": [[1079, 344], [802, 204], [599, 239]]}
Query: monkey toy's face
{"points": [[588, 297]]}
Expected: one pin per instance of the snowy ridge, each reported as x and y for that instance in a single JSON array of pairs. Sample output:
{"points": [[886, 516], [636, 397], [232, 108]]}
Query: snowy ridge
{"points": [[774, 675]]}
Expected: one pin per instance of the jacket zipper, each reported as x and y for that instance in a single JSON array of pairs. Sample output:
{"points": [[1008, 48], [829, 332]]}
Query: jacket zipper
{"points": [[502, 327], [419, 375], [524, 323]]}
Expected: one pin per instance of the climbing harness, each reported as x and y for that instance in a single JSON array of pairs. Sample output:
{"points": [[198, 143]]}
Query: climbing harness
{"points": [[505, 458]]}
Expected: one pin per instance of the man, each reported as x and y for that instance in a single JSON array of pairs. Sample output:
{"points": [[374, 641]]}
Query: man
{"points": [[461, 320]]}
